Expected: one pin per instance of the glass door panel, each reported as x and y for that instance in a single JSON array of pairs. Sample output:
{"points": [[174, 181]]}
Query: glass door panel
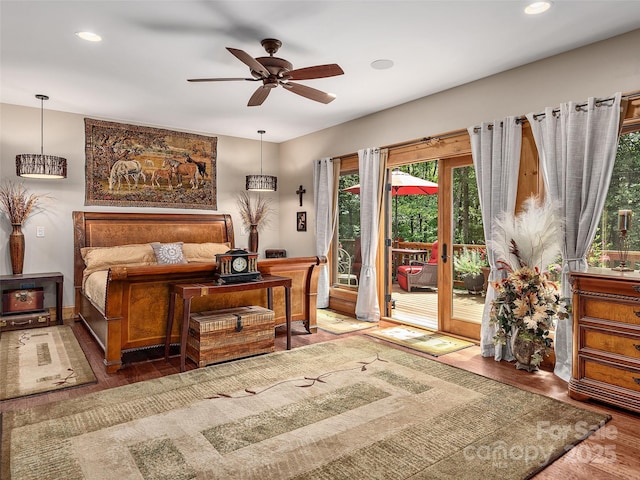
{"points": [[462, 236]]}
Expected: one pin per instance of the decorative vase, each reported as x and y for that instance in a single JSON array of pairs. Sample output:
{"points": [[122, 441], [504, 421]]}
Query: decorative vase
{"points": [[253, 238], [16, 248], [524, 350]]}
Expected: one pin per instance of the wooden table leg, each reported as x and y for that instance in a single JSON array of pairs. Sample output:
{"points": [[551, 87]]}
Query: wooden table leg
{"points": [[172, 312], [184, 333], [287, 306]]}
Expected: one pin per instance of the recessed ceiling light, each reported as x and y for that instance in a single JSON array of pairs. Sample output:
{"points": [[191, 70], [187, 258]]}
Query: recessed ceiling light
{"points": [[537, 7], [89, 36], [382, 64]]}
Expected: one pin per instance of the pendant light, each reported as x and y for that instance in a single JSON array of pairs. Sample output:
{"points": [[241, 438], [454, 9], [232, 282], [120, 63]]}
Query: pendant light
{"points": [[33, 165], [262, 183]]}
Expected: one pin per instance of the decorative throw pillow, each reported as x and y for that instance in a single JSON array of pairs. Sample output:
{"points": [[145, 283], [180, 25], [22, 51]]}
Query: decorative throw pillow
{"points": [[101, 258], [204, 252], [168, 252]]}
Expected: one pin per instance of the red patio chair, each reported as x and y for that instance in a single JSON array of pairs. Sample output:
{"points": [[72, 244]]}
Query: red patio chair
{"points": [[420, 274]]}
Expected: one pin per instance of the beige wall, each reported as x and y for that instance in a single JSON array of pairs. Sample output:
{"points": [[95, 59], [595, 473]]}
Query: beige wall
{"points": [[598, 70], [594, 71], [64, 136]]}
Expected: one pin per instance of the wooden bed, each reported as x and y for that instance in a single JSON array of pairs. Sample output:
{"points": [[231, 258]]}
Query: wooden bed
{"points": [[135, 312]]}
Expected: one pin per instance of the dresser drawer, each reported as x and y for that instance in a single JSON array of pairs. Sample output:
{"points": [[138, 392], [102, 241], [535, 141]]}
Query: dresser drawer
{"points": [[611, 310], [609, 343], [612, 375], [610, 283]]}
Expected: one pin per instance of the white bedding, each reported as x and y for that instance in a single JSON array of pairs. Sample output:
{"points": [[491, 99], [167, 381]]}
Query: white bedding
{"points": [[95, 288]]}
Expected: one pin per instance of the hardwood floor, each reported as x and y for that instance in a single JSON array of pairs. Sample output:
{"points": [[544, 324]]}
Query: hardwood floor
{"points": [[613, 453]]}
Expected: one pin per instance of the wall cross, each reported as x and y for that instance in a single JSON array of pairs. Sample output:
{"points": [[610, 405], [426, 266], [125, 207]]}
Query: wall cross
{"points": [[301, 191]]}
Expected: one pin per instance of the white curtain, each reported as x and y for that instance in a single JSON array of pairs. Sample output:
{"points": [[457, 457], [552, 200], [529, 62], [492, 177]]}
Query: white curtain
{"points": [[325, 189], [372, 164], [495, 148], [577, 146]]}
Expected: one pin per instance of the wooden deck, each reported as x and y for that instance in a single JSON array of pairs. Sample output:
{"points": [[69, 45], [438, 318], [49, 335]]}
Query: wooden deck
{"points": [[421, 307]]}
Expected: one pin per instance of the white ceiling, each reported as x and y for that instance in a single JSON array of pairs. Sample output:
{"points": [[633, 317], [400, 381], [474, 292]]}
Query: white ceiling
{"points": [[138, 72]]}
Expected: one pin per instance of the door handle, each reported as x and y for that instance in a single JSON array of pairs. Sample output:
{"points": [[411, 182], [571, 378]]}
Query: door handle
{"points": [[444, 253]]}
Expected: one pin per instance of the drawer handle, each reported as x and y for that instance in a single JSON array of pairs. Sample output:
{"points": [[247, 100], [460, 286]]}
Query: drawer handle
{"points": [[637, 313], [636, 346], [637, 380], [636, 288]]}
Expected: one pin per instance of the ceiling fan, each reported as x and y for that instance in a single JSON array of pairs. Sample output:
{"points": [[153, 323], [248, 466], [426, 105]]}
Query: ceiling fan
{"points": [[274, 71]]}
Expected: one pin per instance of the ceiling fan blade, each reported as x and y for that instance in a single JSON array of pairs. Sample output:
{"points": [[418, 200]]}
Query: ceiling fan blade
{"points": [[248, 60], [221, 79], [259, 96], [308, 92], [319, 71]]}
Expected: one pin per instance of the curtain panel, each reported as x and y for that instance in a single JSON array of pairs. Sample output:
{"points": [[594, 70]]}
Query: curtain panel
{"points": [[495, 148], [372, 165], [325, 188], [577, 146]]}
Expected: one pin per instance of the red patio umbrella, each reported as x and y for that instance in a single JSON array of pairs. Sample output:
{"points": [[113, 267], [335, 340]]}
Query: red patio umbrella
{"points": [[404, 184]]}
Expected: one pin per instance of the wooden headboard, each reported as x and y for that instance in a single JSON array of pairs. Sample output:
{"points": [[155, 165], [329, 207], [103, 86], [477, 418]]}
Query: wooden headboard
{"points": [[106, 229]]}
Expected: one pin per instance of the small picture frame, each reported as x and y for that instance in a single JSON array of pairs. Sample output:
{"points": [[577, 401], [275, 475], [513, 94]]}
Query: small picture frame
{"points": [[301, 221]]}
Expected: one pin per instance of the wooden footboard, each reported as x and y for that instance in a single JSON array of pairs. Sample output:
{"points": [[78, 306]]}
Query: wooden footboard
{"points": [[137, 302]]}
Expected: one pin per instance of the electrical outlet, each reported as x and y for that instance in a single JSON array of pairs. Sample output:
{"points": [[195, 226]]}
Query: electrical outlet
{"points": [[40, 232]]}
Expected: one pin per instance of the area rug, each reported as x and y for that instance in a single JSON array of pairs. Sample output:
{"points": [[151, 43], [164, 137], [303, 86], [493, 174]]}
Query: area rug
{"points": [[40, 360], [351, 408], [435, 344], [337, 323]]}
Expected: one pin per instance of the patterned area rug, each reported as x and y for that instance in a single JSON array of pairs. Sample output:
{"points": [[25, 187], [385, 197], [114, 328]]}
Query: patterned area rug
{"points": [[40, 360], [351, 408], [335, 322], [432, 343]]}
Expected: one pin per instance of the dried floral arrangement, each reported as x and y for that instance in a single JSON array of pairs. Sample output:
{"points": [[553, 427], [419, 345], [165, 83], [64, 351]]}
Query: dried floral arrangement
{"points": [[254, 210], [527, 302], [17, 203]]}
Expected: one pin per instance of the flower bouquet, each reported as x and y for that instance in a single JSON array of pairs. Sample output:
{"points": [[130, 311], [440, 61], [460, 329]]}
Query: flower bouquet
{"points": [[527, 302]]}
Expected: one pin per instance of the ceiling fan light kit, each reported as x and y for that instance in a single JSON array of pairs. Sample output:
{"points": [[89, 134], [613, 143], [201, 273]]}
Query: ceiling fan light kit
{"points": [[261, 183], [274, 71], [39, 165]]}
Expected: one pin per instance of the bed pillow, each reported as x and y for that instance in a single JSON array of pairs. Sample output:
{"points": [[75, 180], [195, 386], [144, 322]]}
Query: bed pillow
{"points": [[204, 252], [168, 253], [101, 258]]}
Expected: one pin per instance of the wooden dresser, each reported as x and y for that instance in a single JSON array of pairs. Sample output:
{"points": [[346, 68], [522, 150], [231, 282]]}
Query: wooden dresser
{"points": [[606, 337]]}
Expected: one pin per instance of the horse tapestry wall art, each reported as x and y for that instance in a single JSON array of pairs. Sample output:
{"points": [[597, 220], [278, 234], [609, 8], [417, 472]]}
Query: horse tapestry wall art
{"points": [[136, 166]]}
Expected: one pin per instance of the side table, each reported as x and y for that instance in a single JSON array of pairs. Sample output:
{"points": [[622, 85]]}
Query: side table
{"points": [[22, 280], [187, 291]]}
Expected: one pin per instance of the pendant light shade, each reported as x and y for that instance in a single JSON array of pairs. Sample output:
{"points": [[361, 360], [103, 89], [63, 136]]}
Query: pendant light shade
{"points": [[261, 183], [34, 165]]}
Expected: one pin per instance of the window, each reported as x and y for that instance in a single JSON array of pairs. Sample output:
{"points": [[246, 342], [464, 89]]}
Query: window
{"points": [[348, 256], [624, 193]]}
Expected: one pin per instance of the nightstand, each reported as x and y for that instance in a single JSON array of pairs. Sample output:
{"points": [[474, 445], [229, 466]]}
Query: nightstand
{"points": [[29, 319]]}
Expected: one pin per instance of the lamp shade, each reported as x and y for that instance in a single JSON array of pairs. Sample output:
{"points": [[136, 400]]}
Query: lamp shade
{"points": [[35, 165], [39, 165], [262, 183]]}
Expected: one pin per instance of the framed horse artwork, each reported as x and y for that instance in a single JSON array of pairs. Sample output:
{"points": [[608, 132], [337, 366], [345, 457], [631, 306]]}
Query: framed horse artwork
{"points": [[137, 166]]}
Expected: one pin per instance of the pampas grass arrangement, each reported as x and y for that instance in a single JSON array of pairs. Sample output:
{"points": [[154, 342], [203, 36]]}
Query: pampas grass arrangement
{"points": [[531, 238], [16, 203], [254, 210]]}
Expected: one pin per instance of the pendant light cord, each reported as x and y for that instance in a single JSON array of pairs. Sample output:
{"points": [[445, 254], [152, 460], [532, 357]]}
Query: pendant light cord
{"points": [[41, 125], [261, 132]]}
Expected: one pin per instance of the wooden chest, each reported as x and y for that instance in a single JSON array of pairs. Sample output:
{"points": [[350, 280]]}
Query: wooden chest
{"points": [[22, 300], [25, 320], [606, 336], [221, 335]]}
